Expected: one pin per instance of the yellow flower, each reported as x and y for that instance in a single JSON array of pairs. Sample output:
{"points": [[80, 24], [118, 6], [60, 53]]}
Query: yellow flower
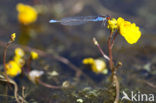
{"points": [[13, 69], [19, 52], [26, 13], [13, 36], [34, 55], [112, 24], [88, 61], [97, 65], [128, 30], [120, 21], [20, 61]]}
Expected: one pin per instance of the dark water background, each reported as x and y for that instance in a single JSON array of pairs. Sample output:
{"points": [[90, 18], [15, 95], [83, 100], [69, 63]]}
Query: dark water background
{"points": [[75, 43]]}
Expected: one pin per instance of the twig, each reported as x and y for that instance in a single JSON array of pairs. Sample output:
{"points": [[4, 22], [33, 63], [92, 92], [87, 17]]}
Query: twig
{"points": [[150, 84], [100, 49], [47, 85]]}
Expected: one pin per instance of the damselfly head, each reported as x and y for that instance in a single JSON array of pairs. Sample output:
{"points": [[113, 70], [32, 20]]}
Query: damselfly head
{"points": [[108, 17]]}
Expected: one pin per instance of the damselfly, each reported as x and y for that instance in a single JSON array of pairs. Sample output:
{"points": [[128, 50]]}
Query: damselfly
{"points": [[80, 20]]}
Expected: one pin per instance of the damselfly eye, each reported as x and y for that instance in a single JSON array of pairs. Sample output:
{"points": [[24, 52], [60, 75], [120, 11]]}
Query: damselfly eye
{"points": [[108, 17]]}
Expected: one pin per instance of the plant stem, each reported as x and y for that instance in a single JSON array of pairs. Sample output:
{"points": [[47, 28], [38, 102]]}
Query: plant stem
{"points": [[117, 87], [100, 49], [17, 97], [114, 37], [4, 59], [23, 94], [28, 65], [48, 85], [112, 67], [110, 51]]}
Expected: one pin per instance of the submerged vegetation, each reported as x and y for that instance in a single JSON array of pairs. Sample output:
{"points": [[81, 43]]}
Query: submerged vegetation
{"points": [[33, 71]]}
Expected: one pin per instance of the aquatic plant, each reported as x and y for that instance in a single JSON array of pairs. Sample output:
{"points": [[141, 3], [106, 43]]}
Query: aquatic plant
{"points": [[12, 39], [11, 69], [14, 67], [19, 52], [130, 32], [19, 57], [127, 29]]}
